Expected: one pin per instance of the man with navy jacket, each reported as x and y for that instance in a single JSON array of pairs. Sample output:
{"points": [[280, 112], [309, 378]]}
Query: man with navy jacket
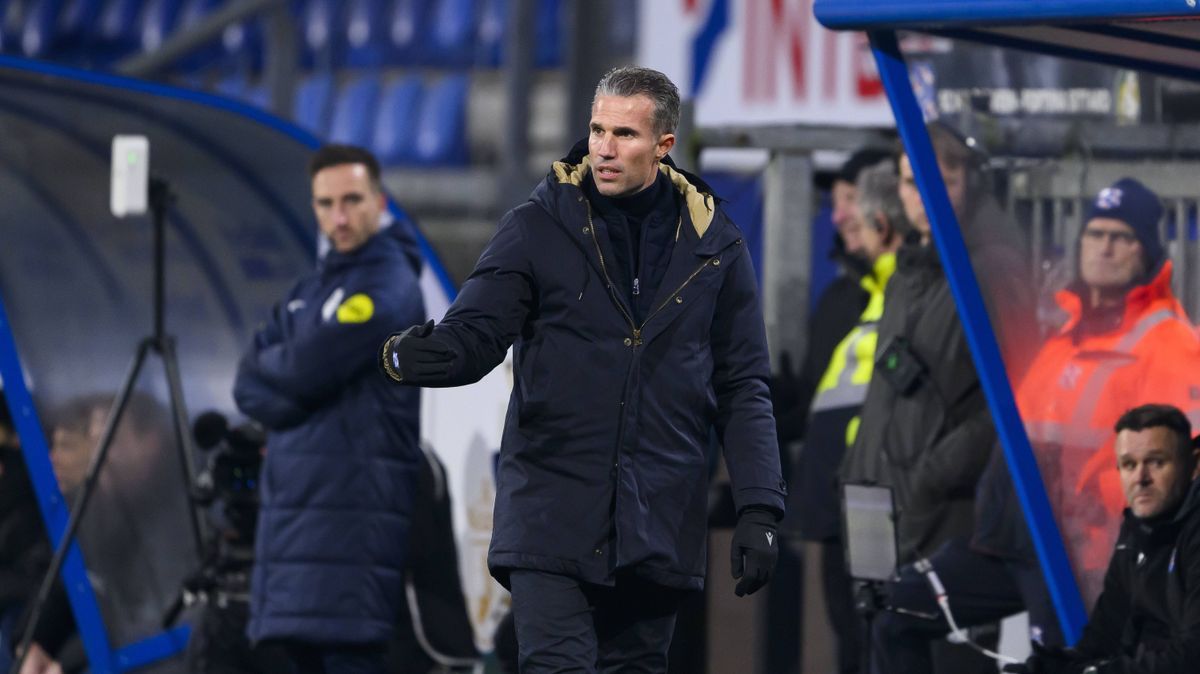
{"points": [[343, 445], [632, 307]]}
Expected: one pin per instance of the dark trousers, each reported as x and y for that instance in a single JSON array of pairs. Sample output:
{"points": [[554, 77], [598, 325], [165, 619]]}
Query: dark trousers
{"points": [[982, 589], [845, 619], [333, 659], [564, 625]]}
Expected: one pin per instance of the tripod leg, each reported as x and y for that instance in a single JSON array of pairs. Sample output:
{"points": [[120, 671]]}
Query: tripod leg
{"points": [[166, 349], [81, 500]]}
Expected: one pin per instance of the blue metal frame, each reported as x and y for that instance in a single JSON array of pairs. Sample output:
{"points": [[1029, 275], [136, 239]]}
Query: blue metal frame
{"points": [[989, 364], [51, 502], [152, 649], [897, 14], [101, 656]]}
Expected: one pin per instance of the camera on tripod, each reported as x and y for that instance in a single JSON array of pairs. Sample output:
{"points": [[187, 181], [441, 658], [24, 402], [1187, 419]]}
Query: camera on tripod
{"points": [[228, 488], [230, 478]]}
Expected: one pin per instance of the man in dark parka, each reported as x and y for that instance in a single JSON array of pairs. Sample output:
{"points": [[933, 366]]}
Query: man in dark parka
{"points": [[341, 467], [632, 307]]}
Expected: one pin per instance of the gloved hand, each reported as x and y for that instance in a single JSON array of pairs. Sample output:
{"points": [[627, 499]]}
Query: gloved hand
{"points": [[413, 357], [754, 550], [1049, 660]]}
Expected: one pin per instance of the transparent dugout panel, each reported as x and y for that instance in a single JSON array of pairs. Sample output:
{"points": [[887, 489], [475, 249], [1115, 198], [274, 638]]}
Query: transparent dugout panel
{"points": [[1028, 146]]}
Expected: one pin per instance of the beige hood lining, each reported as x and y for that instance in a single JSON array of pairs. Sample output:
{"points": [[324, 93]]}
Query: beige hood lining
{"points": [[701, 207]]}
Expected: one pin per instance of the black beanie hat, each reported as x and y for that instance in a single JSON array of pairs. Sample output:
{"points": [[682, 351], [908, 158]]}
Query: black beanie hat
{"points": [[861, 159], [1137, 206]]}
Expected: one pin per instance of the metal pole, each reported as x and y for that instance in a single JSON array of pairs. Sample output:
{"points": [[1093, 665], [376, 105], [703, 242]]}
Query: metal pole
{"points": [[181, 44], [518, 87]]}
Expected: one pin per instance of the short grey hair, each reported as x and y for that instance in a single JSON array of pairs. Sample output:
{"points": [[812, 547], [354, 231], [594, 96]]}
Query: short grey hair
{"points": [[878, 189], [634, 81]]}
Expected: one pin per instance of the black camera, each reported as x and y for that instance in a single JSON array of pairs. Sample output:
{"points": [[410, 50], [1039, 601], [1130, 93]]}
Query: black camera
{"points": [[228, 483], [231, 475]]}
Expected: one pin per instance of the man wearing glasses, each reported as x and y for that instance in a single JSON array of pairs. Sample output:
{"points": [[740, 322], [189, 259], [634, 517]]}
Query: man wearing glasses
{"points": [[1126, 342]]}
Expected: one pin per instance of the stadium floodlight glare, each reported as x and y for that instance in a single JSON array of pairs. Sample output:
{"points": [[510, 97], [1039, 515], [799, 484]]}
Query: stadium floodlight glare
{"points": [[130, 175]]}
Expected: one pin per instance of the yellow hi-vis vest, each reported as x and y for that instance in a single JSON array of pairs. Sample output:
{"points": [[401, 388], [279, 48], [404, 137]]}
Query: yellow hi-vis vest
{"points": [[844, 383]]}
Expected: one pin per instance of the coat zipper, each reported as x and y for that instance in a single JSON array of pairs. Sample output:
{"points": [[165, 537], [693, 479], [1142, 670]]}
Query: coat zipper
{"points": [[637, 330], [637, 333]]}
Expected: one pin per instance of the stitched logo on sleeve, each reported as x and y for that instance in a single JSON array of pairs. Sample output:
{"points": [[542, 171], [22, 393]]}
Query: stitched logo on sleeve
{"points": [[331, 304], [357, 308], [770, 538]]}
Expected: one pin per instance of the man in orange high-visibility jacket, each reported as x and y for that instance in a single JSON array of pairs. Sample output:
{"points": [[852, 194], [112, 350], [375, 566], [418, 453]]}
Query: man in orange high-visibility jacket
{"points": [[1126, 342]]}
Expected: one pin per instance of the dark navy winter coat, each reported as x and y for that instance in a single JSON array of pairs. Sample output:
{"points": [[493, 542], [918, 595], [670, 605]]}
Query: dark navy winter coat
{"points": [[603, 463], [342, 449]]}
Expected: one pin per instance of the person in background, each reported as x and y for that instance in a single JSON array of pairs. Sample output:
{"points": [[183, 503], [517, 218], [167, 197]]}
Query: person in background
{"points": [[926, 431], [878, 231], [343, 450], [1147, 618]]}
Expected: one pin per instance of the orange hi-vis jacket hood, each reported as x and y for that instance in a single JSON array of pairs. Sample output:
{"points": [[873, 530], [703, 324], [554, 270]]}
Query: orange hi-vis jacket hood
{"points": [[1079, 385]]}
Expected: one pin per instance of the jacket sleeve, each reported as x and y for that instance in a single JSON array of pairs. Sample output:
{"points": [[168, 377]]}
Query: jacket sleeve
{"points": [[492, 307], [741, 368], [313, 366], [259, 401]]}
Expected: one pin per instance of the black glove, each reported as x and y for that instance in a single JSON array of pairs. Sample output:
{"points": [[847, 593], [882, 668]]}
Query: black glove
{"points": [[413, 357], [1049, 660], [754, 550]]}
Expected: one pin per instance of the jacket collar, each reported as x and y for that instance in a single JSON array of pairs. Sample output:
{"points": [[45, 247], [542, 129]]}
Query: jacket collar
{"points": [[381, 246], [699, 200], [1137, 299], [1164, 529]]}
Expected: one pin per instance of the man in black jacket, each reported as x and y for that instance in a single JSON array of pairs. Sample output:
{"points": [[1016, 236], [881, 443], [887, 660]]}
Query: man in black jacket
{"points": [[1147, 618], [632, 307]]}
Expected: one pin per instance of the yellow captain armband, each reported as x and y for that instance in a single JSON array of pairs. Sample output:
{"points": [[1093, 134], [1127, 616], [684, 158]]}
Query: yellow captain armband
{"points": [[357, 308]]}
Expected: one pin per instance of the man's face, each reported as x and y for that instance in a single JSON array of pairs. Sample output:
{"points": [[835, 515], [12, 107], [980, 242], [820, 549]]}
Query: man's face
{"points": [[846, 217], [71, 449], [955, 180], [1154, 476], [622, 146], [1110, 256], [347, 205]]}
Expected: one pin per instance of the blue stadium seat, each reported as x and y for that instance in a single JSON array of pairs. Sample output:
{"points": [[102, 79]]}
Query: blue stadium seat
{"points": [[354, 111], [115, 32], [311, 106], [407, 24], [158, 20], [451, 33], [394, 141], [322, 42], [237, 85], [259, 96], [233, 85], [242, 46], [190, 14], [76, 19], [489, 41], [441, 130], [366, 33], [38, 27], [549, 31]]}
